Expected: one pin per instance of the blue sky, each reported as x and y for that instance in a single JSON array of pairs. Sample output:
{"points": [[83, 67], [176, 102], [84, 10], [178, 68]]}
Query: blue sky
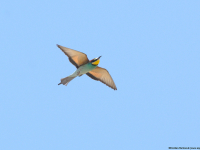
{"points": [[150, 48]]}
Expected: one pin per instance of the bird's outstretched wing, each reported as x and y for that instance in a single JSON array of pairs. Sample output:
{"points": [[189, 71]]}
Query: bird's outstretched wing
{"points": [[101, 74], [75, 57]]}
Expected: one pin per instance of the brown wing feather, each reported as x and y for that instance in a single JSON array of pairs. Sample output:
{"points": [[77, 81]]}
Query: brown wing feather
{"points": [[75, 57], [101, 74]]}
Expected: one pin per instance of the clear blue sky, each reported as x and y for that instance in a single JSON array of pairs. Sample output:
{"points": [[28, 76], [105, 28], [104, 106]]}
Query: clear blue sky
{"points": [[150, 48]]}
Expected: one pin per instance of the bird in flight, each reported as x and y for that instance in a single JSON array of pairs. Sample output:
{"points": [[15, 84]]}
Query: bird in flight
{"points": [[84, 66]]}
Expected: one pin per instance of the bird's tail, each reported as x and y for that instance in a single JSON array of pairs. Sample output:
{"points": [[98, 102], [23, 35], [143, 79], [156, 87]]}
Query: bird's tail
{"points": [[66, 80]]}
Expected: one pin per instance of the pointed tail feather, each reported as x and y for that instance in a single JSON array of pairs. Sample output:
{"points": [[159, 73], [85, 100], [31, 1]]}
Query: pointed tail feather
{"points": [[66, 80]]}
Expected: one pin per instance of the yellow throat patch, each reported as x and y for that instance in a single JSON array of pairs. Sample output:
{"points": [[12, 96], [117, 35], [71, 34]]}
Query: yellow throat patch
{"points": [[96, 62]]}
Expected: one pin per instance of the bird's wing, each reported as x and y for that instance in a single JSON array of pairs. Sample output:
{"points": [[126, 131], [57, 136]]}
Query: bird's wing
{"points": [[101, 74], [75, 57]]}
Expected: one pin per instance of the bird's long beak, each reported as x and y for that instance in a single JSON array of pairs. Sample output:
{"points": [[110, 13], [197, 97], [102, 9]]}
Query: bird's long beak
{"points": [[99, 57]]}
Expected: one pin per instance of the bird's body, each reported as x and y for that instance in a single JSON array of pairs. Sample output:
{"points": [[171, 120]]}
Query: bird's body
{"points": [[84, 69], [84, 66]]}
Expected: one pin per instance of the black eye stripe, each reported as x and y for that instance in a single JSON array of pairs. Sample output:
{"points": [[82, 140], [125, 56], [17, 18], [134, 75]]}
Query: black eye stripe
{"points": [[93, 60]]}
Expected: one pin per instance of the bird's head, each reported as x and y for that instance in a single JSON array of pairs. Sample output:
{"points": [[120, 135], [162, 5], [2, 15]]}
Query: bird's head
{"points": [[95, 61]]}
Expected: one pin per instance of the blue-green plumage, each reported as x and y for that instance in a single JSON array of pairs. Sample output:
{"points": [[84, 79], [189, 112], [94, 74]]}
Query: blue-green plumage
{"points": [[85, 68]]}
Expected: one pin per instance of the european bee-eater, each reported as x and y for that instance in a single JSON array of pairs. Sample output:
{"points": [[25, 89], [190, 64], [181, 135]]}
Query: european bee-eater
{"points": [[84, 66]]}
